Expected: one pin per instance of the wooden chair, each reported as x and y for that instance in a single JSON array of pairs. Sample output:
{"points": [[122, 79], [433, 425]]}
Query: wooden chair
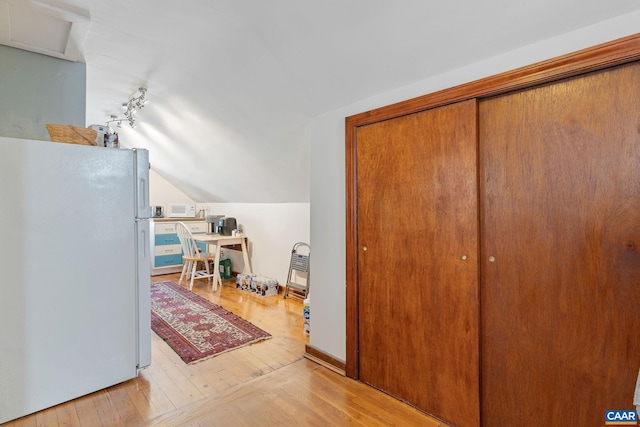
{"points": [[191, 256]]}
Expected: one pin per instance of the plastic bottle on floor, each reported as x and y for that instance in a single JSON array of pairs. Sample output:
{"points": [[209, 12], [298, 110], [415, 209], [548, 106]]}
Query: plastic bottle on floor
{"points": [[307, 315]]}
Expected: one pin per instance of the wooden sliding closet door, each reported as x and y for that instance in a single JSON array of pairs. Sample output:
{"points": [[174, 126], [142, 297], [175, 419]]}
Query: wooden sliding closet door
{"points": [[560, 249], [417, 260]]}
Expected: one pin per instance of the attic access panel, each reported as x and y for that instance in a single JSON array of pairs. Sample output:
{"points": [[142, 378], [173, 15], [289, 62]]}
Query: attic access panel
{"points": [[49, 28]]}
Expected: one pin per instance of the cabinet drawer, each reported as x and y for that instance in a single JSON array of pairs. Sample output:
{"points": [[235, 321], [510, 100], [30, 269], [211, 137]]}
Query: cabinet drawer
{"points": [[175, 249], [167, 260], [165, 227], [167, 250], [197, 227], [166, 239]]}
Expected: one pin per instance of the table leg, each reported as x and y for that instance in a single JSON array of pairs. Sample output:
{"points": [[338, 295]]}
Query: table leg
{"points": [[216, 269], [245, 256]]}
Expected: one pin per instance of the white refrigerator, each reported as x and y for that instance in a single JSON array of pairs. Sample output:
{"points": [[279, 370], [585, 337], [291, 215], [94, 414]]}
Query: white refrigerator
{"points": [[74, 271]]}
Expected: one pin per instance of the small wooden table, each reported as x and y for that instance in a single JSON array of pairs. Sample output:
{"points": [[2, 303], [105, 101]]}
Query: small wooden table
{"points": [[220, 240]]}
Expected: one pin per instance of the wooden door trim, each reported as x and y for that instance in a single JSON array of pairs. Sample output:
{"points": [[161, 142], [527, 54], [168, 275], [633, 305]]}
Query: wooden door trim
{"points": [[598, 57]]}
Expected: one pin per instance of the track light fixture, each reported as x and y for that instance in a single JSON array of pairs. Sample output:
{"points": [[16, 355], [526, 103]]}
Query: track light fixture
{"points": [[136, 102]]}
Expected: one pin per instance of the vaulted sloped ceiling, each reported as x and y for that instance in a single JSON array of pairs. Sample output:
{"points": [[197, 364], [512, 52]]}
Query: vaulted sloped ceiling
{"points": [[232, 85]]}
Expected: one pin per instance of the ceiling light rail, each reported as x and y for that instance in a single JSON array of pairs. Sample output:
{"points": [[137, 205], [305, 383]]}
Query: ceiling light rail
{"points": [[136, 102]]}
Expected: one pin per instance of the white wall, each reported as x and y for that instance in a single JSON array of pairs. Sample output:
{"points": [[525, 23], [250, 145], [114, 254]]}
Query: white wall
{"points": [[328, 207], [272, 230], [162, 192]]}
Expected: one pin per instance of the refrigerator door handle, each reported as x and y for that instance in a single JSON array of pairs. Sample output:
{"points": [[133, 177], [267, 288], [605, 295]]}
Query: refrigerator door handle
{"points": [[143, 209], [143, 186]]}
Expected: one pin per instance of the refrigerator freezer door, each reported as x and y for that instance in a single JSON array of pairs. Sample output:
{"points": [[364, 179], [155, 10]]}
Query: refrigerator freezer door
{"points": [[143, 209]]}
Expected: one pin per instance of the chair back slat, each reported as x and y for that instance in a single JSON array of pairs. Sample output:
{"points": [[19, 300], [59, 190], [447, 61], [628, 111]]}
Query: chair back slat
{"points": [[189, 247]]}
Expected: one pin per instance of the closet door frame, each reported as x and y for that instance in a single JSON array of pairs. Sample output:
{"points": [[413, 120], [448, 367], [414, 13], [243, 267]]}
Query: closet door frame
{"points": [[610, 54]]}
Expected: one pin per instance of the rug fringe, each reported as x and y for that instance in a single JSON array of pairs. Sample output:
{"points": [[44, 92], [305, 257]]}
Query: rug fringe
{"points": [[228, 350]]}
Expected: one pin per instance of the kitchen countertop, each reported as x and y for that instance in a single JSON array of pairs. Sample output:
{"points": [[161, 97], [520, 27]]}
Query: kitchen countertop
{"points": [[173, 219]]}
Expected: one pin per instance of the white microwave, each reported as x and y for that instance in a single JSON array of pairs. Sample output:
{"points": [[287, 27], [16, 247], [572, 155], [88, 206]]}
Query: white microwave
{"points": [[182, 210]]}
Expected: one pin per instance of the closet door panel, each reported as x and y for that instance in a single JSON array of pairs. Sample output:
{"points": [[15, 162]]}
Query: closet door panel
{"points": [[417, 240], [560, 250]]}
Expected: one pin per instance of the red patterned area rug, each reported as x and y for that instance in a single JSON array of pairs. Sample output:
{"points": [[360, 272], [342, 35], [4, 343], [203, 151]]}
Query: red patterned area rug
{"points": [[196, 328]]}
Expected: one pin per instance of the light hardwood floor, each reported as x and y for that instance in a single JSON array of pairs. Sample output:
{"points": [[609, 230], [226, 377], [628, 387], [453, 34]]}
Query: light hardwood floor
{"points": [[267, 383]]}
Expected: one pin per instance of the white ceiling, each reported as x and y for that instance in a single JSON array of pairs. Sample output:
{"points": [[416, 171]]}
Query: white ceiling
{"points": [[232, 84]]}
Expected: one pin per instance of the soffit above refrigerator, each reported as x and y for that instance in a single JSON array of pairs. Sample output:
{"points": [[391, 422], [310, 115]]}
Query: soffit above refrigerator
{"points": [[50, 28]]}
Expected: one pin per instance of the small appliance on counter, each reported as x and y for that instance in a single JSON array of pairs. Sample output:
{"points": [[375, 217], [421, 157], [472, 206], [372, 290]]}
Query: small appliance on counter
{"points": [[157, 212], [226, 226], [182, 210], [214, 221]]}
